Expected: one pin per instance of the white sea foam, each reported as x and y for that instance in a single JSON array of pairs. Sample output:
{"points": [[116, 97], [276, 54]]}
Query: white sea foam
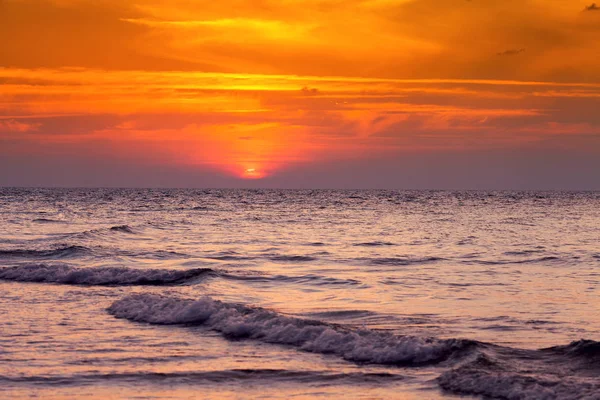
{"points": [[238, 321], [98, 276]]}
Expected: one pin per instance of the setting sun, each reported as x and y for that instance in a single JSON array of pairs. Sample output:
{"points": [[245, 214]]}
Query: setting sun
{"points": [[253, 173]]}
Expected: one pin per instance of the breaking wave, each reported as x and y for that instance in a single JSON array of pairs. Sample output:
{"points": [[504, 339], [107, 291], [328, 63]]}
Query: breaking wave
{"points": [[236, 321], [486, 370], [493, 381], [101, 276], [583, 349], [562, 372]]}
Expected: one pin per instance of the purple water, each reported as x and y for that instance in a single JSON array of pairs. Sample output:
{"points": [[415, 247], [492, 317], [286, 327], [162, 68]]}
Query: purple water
{"points": [[127, 293]]}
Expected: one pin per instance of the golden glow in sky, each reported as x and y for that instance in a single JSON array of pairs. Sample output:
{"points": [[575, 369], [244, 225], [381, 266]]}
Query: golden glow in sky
{"points": [[251, 89]]}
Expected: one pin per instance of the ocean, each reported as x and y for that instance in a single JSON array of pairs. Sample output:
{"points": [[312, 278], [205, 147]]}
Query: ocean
{"points": [[277, 294]]}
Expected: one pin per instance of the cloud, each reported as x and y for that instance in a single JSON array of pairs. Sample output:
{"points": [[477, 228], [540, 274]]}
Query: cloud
{"points": [[309, 91], [592, 7], [274, 37], [12, 125], [237, 122], [40, 33], [511, 52]]}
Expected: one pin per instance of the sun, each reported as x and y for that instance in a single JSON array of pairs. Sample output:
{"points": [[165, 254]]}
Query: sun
{"points": [[253, 173]]}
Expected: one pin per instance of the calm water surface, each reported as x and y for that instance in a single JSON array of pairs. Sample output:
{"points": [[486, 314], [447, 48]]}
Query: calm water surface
{"points": [[279, 294]]}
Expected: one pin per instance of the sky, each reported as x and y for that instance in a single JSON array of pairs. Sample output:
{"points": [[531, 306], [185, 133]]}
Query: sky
{"points": [[398, 94]]}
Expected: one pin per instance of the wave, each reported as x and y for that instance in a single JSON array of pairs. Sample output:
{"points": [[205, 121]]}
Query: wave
{"points": [[102, 232], [61, 252], [232, 256], [373, 244], [401, 260], [48, 221], [523, 252], [292, 258], [100, 276], [223, 376], [504, 262], [302, 279], [560, 372], [229, 257], [317, 280], [163, 254], [342, 314], [66, 274], [587, 349], [122, 229], [489, 380], [235, 321]]}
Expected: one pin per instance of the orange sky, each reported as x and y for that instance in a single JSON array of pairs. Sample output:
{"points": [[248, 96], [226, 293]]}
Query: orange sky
{"points": [[252, 89]]}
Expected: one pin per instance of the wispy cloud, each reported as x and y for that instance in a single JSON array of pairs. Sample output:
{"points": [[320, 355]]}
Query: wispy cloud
{"points": [[511, 52], [12, 125], [236, 122]]}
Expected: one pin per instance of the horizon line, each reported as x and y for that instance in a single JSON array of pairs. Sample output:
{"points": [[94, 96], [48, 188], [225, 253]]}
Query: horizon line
{"points": [[298, 188]]}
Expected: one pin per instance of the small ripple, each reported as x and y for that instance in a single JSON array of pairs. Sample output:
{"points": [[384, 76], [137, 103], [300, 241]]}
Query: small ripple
{"points": [[373, 244], [223, 376]]}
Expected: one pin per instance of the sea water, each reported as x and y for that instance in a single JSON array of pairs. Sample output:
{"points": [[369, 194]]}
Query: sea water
{"points": [[127, 293]]}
